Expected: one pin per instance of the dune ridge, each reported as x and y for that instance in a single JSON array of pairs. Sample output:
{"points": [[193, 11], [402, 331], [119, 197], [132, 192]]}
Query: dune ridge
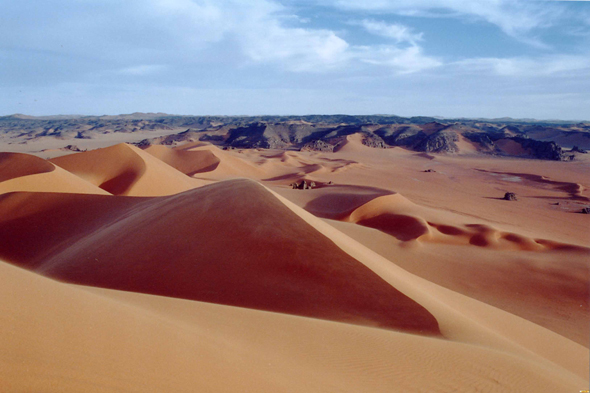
{"points": [[185, 161], [461, 318], [225, 246], [25, 172], [126, 170]]}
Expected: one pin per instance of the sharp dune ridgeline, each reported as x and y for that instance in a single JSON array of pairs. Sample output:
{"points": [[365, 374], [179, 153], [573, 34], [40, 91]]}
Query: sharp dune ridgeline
{"points": [[186, 257]]}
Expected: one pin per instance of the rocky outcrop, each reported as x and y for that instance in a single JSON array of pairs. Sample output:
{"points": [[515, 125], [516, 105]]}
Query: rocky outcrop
{"points": [[577, 149], [510, 196], [73, 148], [405, 136], [374, 141], [542, 150], [439, 142], [481, 139], [303, 185], [318, 145]]}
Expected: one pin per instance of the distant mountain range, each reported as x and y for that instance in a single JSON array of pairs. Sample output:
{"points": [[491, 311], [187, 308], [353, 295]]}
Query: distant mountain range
{"points": [[506, 136]]}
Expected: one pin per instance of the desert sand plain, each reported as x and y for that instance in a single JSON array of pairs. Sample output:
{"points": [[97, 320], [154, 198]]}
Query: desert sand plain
{"points": [[196, 269]]}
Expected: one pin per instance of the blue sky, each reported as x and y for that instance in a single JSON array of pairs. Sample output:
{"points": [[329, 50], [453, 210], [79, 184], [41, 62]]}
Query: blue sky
{"points": [[452, 58]]}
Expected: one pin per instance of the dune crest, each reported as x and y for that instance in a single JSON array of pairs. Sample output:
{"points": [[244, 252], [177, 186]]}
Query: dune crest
{"points": [[24, 172], [228, 243], [186, 161], [126, 170], [13, 165], [404, 220]]}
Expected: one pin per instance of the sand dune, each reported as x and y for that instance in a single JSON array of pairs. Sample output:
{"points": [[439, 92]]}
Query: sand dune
{"points": [[115, 341], [469, 256], [397, 216], [14, 165], [126, 170], [230, 165], [428, 281], [187, 162], [461, 318], [229, 243], [24, 172]]}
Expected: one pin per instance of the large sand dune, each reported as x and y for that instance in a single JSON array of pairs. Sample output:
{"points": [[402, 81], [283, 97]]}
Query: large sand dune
{"points": [[230, 243], [24, 172], [384, 278], [107, 341], [126, 170]]}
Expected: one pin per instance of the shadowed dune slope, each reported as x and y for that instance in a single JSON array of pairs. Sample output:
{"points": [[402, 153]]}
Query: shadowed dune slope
{"points": [[56, 337], [185, 161], [126, 170], [38, 223], [229, 243], [14, 165]]}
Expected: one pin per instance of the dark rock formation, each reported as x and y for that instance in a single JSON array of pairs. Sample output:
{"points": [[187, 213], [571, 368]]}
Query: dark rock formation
{"points": [[406, 136], [73, 148], [318, 145], [481, 138], [429, 170], [510, 196], [576, 149], [585, 210], [542, 150], [303, 185], [374, 141], [439, 142]]}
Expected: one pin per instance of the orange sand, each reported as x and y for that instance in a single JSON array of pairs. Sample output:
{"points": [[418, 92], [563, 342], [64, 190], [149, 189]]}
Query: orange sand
{"points": [[384, 278]]}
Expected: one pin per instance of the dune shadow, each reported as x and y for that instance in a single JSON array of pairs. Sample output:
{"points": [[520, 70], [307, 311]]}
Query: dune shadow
{"points": [[343, 201], [400, 226], [208, 168], [120, 183]]}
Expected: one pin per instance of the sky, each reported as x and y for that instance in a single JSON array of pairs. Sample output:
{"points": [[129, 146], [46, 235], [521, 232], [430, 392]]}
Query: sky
{"points": [[449, 58]]}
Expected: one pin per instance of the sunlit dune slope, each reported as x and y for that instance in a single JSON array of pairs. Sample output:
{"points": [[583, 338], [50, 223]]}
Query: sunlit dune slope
{"points": [[230, 243], [187, 162], [126, 170], [401, 218], [56, 337], [539, 279], [230, 165], [24, 172]]}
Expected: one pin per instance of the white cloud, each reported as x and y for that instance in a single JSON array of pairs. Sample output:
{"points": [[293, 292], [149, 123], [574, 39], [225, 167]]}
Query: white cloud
{"points": [[516, 18], [398, 32], [141, 70], [401, 60], [558, 65]]}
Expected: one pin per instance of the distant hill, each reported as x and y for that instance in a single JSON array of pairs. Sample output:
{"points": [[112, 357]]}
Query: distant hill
{"points": [[505, 136]]}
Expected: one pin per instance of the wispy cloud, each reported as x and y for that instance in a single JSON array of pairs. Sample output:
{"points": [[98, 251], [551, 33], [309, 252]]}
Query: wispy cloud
{"points": [[141, 70], [400, 60], [526, 67], [517, 18], [395, 31]]}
